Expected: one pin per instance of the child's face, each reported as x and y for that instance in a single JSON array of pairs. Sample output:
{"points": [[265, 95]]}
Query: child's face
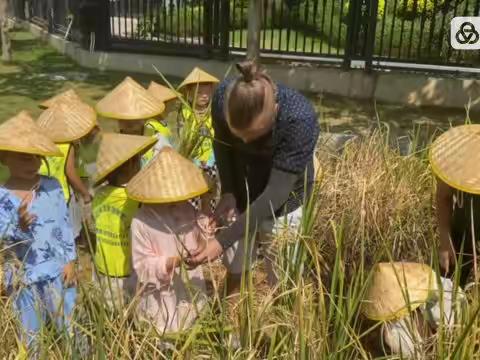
{"points": [[204, 94], [20, 165], [131, 127]]}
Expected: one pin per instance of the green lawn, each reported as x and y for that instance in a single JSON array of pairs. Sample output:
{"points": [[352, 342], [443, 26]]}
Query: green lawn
{"points": [[297, 42], [39, 72]]}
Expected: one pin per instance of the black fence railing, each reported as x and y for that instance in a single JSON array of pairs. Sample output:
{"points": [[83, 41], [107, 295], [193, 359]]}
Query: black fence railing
{"points": [[54, 15], [308, 27], [419, 31], [379, 32], [179, 25], [39, 12]]}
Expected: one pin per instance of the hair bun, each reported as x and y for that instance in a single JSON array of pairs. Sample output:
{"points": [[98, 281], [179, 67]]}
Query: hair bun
{"points": [[248, 69]]}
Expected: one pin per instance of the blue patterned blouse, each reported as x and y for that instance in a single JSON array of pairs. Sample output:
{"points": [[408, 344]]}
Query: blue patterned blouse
{"points": [[41, 252]]}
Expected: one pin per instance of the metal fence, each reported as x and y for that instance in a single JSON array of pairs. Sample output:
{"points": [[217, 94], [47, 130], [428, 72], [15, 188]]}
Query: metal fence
{"points": [[178, 25], [382, 33], [39, 12], [419, 31], [54, 15], [302, 28]]}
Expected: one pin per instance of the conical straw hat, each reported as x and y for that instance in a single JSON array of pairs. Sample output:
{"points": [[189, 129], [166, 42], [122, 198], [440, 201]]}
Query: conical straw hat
{"points": [[455, 158], [198, 76], [116, 149], [169, 177], [67, 122], [161, 92], [129, 101], [66, 96], [22, 134], [392, 284]]}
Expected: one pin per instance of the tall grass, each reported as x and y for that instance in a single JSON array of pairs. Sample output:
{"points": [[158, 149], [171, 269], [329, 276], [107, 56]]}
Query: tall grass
{"points": [[370, 204]]}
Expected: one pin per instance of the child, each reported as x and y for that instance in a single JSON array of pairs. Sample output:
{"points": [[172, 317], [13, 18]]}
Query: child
{"points": [[67, 123], [167, 97], [132, 106], [453, 157], [161, 127], [117, 162], [165, 229], [198, 87], [39, 273]]}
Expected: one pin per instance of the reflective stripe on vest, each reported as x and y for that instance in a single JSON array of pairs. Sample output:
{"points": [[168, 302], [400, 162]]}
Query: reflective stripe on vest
{"points": [[113, 212], [57, 166], [206, 150]]}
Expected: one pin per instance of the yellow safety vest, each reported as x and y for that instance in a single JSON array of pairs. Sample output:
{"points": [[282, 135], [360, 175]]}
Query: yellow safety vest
{"points": [[4, 174], [206, 150], [152, 128], [113, 212], [57, 166]]}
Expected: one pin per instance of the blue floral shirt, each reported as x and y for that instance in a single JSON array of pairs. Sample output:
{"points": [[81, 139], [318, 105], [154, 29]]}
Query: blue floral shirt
{"points": [[41, 252]]}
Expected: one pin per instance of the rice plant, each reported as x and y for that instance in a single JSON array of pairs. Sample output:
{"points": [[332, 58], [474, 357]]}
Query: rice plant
{"points": [[370, 205]]}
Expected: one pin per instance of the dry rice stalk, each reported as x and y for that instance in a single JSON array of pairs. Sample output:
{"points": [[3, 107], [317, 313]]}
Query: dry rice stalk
{"points": [[380, 197]]}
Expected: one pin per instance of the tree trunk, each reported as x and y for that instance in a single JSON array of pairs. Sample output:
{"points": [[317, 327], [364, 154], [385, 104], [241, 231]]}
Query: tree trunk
{"points": [[254, 27], [4, 32]]}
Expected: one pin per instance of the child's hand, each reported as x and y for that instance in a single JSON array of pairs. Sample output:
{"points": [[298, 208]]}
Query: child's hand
{"points": [[69, 275], [25, 218], [172, 263]]}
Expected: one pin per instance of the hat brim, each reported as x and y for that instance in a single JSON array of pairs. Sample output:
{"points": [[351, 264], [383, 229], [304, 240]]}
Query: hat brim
{"points": [[165, 200], [182, 86], [99, 178], [131, 118], [438, 173], [74, 138], [31, 151]]}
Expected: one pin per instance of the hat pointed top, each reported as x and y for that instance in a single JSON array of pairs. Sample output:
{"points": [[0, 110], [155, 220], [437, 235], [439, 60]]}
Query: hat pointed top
{"points": [[116, 149], [168, 178], [397, 288], [66, 96], [68, 121], [129, 101], [198, 76], [161, 92], [455, 158], [21, 134]]}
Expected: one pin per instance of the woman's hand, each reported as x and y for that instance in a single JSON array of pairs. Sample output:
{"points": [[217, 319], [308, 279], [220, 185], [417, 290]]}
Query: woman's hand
{"points": [[25, 218], [69, 274], [211, 252], [226, 209]]}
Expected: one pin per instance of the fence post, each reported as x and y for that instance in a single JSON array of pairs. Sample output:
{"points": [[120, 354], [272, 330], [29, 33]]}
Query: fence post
{"points": [[207, 27], [352, 29], [254, 29], [225, 29], [370, 36], [103, 26], [51, 15]]}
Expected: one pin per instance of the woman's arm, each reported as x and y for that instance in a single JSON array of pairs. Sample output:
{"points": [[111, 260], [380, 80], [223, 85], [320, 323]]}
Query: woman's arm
{"points": [[74, 179], [275, 195]]}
